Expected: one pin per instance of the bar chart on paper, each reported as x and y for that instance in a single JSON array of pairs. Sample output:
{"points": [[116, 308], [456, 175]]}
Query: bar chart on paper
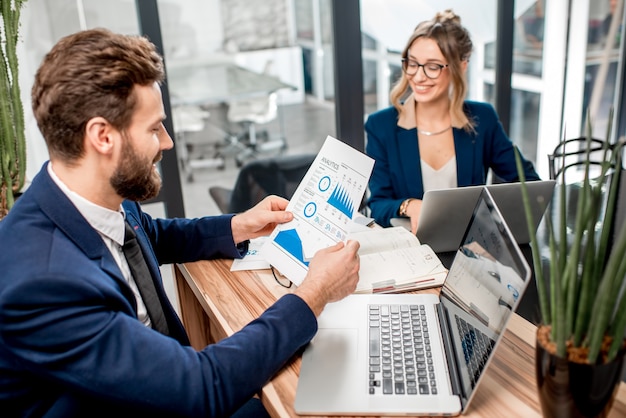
{"points": [[323, 205]]}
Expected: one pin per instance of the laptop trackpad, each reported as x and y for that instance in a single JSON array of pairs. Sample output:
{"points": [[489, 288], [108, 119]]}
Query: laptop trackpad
{"points": [[330, 372]]}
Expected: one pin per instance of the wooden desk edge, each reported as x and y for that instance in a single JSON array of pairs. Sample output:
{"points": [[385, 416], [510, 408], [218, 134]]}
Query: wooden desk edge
{"points": [[197, 312]]}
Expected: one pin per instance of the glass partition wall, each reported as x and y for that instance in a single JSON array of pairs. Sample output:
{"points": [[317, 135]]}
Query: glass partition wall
{"points": [[292, 41], [217, 53]]}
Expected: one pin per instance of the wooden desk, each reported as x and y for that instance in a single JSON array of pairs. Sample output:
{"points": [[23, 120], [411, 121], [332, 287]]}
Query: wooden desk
{"points": [[216, 302]]}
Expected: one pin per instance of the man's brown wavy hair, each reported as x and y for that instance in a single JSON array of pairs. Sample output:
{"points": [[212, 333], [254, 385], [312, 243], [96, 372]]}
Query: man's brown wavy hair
{"points": [[88, 74]]}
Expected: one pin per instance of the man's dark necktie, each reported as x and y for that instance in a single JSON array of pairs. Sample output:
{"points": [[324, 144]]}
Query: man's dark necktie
{"points": [[143, 279]]}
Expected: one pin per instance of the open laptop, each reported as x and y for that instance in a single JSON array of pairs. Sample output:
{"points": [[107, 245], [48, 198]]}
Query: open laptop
{"points": [[354, 365], [445, 212]]}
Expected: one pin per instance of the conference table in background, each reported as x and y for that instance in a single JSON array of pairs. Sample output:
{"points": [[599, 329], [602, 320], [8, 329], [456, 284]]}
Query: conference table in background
{"points": [[215, 303], [209, 84], [200, 85]]}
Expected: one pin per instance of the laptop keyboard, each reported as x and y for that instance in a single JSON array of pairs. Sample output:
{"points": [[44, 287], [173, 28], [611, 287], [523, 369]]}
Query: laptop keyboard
{"points": [[400, 357], [476, 348]]}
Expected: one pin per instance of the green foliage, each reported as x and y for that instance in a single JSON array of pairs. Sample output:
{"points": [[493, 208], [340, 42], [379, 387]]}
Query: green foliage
{"points": [[583, 298], [12, 139]]}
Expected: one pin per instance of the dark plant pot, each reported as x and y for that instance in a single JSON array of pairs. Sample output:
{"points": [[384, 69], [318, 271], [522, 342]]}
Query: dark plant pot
{"points": [[568, 389]]}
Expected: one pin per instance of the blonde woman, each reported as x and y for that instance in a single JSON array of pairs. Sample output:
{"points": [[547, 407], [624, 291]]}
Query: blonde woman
{"points": [[434, 138]]}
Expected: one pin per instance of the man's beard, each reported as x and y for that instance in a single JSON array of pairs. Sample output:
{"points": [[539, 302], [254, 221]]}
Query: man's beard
{"points": [[134, 178]]}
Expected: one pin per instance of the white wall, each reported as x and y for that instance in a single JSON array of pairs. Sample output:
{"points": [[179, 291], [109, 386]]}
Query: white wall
{"points": [[190, 28]]}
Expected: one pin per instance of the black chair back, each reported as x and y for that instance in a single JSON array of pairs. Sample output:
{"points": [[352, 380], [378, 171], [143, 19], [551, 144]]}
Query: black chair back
{"points": [[259, 178], [572, 153]]}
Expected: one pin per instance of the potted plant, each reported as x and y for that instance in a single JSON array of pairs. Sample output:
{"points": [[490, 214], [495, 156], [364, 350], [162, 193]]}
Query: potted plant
{"points": [[580, 341], [12, 138]]}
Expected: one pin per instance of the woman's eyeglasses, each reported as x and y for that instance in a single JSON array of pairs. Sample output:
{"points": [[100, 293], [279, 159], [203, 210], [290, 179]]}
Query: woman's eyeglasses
{"points": [[431, 70]]}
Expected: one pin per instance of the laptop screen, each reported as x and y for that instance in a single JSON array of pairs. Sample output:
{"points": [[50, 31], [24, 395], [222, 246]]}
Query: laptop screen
{"points": [[483, 287]]}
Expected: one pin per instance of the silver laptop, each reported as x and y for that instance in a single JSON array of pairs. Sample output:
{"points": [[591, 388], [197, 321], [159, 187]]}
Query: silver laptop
{"points": [[418, 354], [445, 212]]}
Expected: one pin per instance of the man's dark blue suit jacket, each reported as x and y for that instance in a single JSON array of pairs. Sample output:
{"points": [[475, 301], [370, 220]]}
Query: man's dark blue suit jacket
{"points": [[70, 341]]}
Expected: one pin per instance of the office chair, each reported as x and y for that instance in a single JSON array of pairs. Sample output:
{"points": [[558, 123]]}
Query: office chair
{"points": [[190, 121], [248, 113], [259, 178], [572, 154]]}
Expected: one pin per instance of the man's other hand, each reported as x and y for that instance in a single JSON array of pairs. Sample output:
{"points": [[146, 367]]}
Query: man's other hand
{"points": [[333, 274]]}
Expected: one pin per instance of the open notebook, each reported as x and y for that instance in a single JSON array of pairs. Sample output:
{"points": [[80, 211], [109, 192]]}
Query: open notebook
{"points": [[418, 354], [393, 260]]}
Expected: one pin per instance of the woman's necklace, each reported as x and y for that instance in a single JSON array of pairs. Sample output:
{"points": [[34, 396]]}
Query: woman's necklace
{"points": [[427, 133]]}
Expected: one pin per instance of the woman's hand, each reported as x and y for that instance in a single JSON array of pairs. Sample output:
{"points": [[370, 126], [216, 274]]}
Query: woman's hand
{"points": [[413, 210]]}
